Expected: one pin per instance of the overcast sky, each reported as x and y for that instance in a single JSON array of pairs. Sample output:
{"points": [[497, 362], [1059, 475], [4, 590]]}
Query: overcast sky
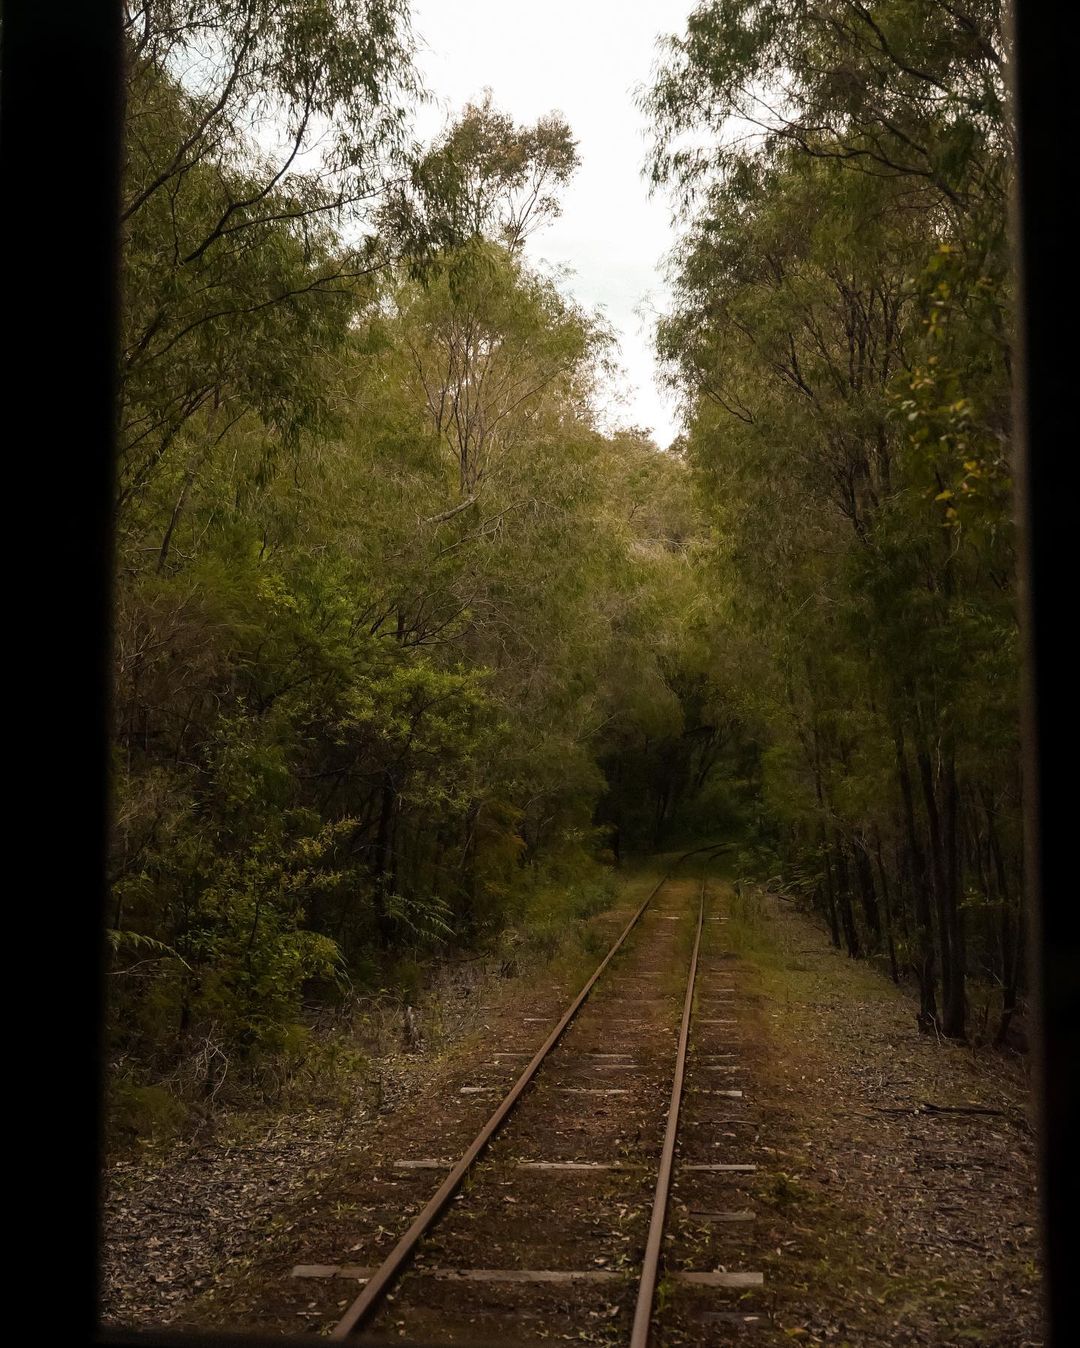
{"points": [[583, 58]]}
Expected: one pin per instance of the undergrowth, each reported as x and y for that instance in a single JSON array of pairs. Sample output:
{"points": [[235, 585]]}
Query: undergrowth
{"points": [[415, 1005]]}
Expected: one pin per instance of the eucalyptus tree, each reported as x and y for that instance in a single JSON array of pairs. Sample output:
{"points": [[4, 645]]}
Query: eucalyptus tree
{"points": [[484, 178], [258, 137], [841, 337], [914, 89]]}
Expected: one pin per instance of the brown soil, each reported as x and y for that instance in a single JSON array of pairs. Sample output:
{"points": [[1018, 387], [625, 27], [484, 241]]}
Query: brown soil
{"points": [[190, 1231], [869, 1225]]}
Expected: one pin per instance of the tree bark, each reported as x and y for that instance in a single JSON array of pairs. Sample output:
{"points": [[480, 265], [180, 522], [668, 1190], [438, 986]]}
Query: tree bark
{"points": [[384, 847], [887, 901], [843, 887], [924, 939], [830, 892], [941, 867], [867, 893]]}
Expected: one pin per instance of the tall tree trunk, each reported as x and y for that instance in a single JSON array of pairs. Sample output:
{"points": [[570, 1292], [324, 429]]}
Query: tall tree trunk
{"points": [[468, 861], [1013, 944], [952, 1017], [843, 887], [900, 872], [954, 1020], [383, 870], [1012, 929], [819, 791], [830, 892], [867, 893], [887, 902], [924, 939]]}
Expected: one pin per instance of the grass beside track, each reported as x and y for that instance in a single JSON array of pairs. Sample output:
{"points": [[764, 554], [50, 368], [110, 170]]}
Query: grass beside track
{"points": [[886, 1224]]}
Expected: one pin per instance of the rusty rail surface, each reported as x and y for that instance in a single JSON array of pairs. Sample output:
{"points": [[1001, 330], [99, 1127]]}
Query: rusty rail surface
{"points": [[639, 1334], [398, 1259]]}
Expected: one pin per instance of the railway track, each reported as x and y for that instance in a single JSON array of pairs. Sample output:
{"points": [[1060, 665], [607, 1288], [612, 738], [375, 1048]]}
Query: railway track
{"points": [[557, 1221]]}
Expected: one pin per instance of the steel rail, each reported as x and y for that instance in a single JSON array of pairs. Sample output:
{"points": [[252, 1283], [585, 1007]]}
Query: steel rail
{"points": [[395, 1262], [639, 1334]]}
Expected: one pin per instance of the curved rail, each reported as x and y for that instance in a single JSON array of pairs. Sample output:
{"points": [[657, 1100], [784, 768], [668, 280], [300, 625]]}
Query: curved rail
{"points": [[396, 1261]]}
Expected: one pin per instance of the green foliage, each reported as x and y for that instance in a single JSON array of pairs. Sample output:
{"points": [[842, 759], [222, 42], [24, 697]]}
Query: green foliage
{"points": [[136, 942], [841, 336], [485, 179], [233, 255], [409, 649], [145, 1113], [391, 609], [547, 912]]}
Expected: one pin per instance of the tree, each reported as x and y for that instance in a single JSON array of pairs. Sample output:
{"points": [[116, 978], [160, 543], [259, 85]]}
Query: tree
{"points": [[388, 600], [484, 179], [257, 135], [841, 338]]}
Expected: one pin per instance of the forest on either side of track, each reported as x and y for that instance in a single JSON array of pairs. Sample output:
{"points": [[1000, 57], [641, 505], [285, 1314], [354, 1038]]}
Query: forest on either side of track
{"points": [[411, 648]]}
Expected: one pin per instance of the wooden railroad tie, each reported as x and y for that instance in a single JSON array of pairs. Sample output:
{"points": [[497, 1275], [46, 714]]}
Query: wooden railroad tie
{"points": [[359, 1273]]}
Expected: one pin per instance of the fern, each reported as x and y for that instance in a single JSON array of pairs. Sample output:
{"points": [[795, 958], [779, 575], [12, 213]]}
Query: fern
{"points": [[135, 941]]}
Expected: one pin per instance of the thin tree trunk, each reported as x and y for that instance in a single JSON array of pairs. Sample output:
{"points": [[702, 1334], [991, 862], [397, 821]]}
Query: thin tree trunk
{"points": [[887, 902], [955, 1010], [843, 886], [924, 940], [1012, 932], [867, 893], [952, 1016], [384, 845], [830, 892]]}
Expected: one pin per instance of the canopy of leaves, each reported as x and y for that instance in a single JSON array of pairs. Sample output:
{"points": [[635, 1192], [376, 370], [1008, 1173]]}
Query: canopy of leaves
{"points": [[841, 342], [388, 601], [485, 179]]}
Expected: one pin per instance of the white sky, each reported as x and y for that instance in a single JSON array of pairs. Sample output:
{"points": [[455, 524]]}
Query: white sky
{"points": [[583, 58]]}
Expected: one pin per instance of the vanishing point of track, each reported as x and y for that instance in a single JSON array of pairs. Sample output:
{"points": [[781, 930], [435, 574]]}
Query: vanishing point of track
{"points": [[555, 1104]]}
